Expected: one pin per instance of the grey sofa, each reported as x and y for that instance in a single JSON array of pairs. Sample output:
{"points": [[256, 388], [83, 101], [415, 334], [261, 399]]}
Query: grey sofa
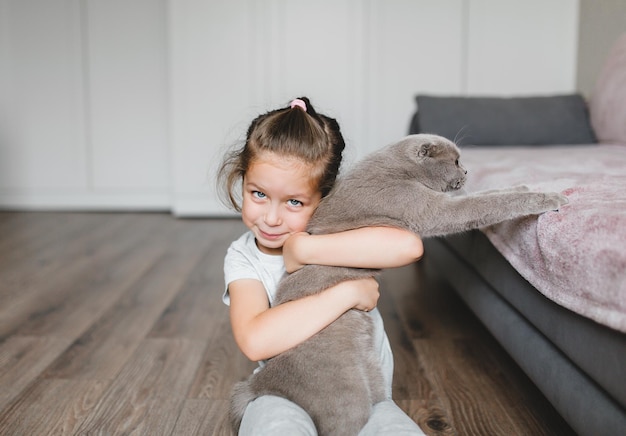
{"points": [[573, 349]]}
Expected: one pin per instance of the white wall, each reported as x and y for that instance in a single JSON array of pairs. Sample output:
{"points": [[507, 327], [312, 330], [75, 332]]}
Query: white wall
{"points": [[83, 104], [128, 104], [601, 23]]}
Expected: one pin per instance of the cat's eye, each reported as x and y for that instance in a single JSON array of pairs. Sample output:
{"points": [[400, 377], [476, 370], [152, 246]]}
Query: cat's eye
{"points": [[456, 162]]}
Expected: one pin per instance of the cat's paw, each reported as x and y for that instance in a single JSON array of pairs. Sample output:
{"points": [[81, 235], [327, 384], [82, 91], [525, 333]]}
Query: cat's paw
{"points": [[520, 188], [554, 201]]}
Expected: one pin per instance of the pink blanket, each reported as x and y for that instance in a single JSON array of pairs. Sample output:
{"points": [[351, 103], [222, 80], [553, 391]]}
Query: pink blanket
{"points": [[577, 256]]}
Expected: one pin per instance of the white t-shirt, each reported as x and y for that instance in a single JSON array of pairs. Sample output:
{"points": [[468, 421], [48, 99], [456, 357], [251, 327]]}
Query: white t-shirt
{"points": [[244, 260]]}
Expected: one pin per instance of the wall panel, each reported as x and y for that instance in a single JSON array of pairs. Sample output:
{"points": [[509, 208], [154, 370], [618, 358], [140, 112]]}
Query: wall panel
{"points": [[522, 48], [212, 74], [41, 105], [128, 91], [321, 56], [117, 104], [416, 47]]}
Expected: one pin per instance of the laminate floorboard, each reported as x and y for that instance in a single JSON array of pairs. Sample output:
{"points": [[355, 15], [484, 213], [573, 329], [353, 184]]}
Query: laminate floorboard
{"points": [[112, 323]]}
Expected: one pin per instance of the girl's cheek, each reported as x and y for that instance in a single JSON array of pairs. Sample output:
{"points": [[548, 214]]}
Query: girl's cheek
{"points": [[304, 220], [248, 208]]}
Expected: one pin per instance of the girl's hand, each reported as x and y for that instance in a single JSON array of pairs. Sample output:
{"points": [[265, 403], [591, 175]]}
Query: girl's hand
{"points": [[263, 332], [366, 293], [290, 252]]}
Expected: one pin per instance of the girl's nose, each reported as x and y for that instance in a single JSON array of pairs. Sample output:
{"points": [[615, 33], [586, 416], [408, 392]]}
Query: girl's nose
{"points": [[272, 217]]}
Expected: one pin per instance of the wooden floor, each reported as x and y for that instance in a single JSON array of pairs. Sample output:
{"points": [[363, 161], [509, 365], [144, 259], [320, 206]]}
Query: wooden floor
{"points": [[113, 324]]}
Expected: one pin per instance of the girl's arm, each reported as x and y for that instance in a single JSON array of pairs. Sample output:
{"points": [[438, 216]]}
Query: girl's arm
{"points": [[262, 332], [367, 247]]}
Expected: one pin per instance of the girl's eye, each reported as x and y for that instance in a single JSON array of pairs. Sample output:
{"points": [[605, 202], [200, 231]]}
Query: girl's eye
{"points": [[258, 194], [295, 203]]}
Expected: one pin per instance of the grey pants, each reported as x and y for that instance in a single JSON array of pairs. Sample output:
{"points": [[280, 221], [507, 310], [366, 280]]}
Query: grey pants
{"points": [[271, 415]]}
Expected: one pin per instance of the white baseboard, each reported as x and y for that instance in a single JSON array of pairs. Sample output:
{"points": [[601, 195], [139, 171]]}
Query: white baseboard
{"points": [[199, 205], [180, 205], [85, 201]]}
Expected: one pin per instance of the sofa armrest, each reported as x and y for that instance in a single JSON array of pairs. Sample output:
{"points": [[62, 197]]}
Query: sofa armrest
{"points": [[608, 102]]}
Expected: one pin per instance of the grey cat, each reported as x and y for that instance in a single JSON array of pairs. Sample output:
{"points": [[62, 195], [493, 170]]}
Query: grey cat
{"points": [[335, 375]]}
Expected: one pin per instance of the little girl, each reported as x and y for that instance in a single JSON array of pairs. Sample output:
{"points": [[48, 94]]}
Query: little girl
{"points": [[289, 162]]}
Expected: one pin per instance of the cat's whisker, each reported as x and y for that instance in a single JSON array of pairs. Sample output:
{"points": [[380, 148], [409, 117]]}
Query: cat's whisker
{"points": [[458, 140]]}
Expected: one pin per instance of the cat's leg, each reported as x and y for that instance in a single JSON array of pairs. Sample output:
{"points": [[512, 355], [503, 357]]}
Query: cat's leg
{"points": [[459, 214], [319, 375], [518, 188]]}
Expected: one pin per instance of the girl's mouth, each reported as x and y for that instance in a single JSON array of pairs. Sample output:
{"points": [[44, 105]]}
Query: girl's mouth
{"points": [[269, 236]]}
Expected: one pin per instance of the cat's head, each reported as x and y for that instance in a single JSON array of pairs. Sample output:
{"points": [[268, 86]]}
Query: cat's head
{"points": [[438, 162]]}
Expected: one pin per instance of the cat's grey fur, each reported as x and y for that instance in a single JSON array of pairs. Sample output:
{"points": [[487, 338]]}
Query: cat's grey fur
{"points": [[335, 375]]}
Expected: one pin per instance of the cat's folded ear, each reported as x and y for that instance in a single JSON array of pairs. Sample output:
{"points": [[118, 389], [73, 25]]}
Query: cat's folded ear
{"points": [[427, 149]]}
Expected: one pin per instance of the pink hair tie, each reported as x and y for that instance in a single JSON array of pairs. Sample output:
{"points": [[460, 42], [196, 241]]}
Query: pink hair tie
{"points": [[298, 102]]}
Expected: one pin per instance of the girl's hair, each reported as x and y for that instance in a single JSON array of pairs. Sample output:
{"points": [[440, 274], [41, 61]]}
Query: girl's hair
{"points": [[295, 131]]}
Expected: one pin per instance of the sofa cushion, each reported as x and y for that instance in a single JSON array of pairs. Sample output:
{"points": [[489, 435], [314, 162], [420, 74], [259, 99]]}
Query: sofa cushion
{"points": [[561, 119], [608, 101]]}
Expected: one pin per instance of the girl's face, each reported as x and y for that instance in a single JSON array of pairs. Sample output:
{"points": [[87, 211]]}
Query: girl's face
{"points": [[279, 198]]}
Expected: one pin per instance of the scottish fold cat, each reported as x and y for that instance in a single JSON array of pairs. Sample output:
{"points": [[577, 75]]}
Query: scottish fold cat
{"points": [[335, 375]]}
